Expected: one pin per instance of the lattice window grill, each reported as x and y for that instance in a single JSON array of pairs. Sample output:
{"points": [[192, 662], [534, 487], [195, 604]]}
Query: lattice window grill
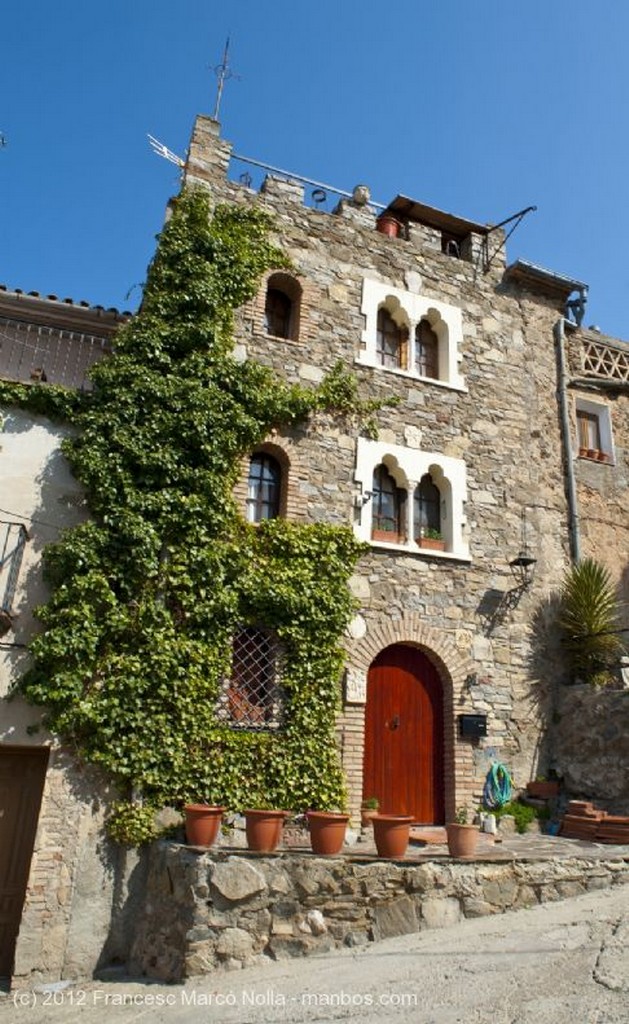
{"points": [[251, 696], [604, 361]]}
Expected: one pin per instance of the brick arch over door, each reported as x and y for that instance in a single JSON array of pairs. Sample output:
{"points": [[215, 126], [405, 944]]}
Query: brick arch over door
{"points": [[452, 667]]}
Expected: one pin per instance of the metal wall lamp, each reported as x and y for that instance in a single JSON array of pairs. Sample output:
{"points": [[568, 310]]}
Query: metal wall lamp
{"points": [[523, 568]]}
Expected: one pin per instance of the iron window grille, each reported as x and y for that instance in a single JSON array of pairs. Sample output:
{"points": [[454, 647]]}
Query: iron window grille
{"points": [[251, 696]]}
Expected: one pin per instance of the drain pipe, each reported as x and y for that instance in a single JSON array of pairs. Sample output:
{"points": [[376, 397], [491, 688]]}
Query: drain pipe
{"points": [[562, 394]]}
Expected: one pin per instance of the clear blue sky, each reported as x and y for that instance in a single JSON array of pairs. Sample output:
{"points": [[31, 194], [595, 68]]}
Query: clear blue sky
{"points": [[477, 108]]}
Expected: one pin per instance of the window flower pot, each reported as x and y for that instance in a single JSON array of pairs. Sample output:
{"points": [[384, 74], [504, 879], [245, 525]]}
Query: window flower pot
{"points": [[327, 831], [388, 225], [583, 453], [602, 456], [462, 840], [264, 829], [391, 833], [591, 453], [202, 823], [386, 535], [431, 543]]}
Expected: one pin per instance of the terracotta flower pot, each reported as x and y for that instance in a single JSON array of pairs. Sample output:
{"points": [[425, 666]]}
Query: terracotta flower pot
{"points": [[367, 814], [388, 225], [462, 840], [264, 829], [431, 543], [391, 833], [388, 536], [202, 823], [327, 831]]}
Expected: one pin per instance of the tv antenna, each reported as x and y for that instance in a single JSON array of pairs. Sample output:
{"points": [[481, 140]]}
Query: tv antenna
{"points": [[223, 72], [163, 151]]}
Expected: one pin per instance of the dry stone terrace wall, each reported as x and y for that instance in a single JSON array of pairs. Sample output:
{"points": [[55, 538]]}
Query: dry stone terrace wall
{"points": [[205, 911], [591, 745], [504, 427]]}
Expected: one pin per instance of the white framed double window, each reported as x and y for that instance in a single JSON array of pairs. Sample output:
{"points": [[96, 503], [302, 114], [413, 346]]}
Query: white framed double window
{"points": [[410, 499], [411, 334]]}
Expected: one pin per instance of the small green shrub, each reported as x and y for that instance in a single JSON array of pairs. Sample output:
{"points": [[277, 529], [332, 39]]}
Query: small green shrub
{"points": [[132, 824], [522, 814]]}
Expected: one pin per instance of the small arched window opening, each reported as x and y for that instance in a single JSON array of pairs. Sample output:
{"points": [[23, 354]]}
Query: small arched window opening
{"points": [[427, 511], [388, 502], [426, 350], [278, 311], [250, 697], [282, 306], [264, 488], [391, 341]]}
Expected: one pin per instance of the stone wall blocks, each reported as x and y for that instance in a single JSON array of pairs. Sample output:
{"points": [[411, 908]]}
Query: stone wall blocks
{"points": [[474, 907], [236, 879], [439, 913], [397, 918]]}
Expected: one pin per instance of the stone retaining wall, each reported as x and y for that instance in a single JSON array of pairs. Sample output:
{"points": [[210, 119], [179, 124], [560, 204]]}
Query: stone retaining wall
{"points": [[590, 749], [205, 911]]}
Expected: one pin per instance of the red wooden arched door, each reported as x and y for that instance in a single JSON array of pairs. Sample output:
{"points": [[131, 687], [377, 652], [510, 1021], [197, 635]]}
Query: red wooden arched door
{"points": [[403, 765]]}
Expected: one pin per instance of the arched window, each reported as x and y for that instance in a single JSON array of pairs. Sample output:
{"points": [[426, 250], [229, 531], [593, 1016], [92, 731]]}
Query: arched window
{"points": [[264, 488], [282, 306], [278, 310], [391, 341], [250, 697], [426, 350], [427, 512], [387, 501]]}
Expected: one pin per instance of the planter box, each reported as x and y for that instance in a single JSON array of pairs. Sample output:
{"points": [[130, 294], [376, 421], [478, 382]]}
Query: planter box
{"points": [[431, 543], [387, 536]]}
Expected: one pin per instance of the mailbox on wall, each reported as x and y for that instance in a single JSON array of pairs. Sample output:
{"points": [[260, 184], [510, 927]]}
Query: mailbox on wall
{"points": [[472, 727]]}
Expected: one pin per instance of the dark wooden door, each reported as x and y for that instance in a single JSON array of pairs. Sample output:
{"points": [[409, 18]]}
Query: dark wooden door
{"points": [[403, 764], [22, 775]]}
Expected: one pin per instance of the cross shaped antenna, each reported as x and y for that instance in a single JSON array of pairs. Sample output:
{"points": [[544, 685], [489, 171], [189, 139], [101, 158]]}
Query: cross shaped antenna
{"points": [[223, 73]]}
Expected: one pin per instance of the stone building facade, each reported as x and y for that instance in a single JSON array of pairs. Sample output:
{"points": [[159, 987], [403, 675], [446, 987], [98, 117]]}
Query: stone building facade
{"points": [[451, 663], [477, 446]]}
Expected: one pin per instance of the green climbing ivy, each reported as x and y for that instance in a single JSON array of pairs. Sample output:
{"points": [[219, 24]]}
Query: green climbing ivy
{"points": [[146, 596]]}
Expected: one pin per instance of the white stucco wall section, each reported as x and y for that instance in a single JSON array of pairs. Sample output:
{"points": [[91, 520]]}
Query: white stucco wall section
{"points": [[408, 465], [37, 489], [409, 308]]}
